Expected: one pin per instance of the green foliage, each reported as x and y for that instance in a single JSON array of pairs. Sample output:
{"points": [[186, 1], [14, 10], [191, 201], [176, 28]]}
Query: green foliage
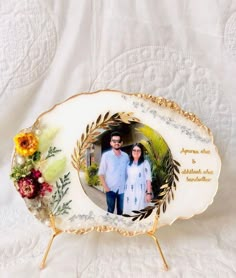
{"points": [[52, 152], [61, 190], [91, 175], [21, 171], [36, 156], [158, 152]]}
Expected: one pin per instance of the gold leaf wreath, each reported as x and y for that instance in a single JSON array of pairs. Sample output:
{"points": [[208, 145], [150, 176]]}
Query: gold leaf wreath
{"points": [[96, 128], [108, 121]]}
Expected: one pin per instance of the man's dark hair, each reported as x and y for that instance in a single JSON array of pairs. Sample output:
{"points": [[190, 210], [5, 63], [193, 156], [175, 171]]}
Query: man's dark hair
{"points": [[116, 133]]}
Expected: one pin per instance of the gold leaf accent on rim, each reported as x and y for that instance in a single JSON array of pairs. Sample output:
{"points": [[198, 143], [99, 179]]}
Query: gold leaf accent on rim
{"points": [[172, 105]]}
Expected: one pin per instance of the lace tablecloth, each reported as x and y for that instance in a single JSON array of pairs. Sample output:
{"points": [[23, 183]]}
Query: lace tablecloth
{"points": [[184, 51]]}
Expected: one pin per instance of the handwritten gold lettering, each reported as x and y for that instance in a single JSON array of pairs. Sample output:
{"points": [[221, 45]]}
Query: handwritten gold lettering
{"points": [[194, 151], [198, 179], [197, 171], [205, 151], [208, 172], [186, 151], [191, 171]]}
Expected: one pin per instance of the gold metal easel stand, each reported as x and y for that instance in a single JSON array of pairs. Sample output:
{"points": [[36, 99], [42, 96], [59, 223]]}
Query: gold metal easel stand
{"points": [[55, 233], [153, 236]]}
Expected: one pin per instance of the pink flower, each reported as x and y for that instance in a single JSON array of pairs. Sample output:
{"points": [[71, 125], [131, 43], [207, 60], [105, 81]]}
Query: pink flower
{"points": [[27, 188], [45, 187]]}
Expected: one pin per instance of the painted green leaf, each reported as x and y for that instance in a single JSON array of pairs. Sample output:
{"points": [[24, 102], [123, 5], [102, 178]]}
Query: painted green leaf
{"points": [[54, 169], [46, 138]]}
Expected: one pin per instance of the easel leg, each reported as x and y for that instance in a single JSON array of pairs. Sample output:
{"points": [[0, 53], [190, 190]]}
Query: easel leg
{"points": [[55, 233], [159, 249], [42, 265]]}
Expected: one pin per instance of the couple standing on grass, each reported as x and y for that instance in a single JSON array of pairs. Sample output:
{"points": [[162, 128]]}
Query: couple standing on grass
{"points": [[126, 181]]}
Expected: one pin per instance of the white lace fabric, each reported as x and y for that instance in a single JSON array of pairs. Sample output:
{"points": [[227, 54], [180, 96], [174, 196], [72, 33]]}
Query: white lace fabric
{"points": [[184, 51]]}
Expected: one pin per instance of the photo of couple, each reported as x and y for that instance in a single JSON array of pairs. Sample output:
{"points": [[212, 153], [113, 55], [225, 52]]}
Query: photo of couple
{"points": [[125, 167], [126, 179]]}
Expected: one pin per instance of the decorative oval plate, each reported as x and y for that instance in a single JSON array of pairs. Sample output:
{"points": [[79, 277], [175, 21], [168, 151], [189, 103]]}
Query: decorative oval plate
{"points": [[56, 161]]}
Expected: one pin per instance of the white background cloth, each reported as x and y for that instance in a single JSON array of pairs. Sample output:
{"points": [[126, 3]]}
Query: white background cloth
{"points": [[182, 50]]}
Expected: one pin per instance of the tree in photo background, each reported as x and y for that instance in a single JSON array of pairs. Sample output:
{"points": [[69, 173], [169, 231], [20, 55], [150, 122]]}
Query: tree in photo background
{"points": [[91, 175]]}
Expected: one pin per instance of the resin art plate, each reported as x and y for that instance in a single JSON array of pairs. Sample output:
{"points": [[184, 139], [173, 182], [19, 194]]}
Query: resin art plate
{"points": [[56, 161]]}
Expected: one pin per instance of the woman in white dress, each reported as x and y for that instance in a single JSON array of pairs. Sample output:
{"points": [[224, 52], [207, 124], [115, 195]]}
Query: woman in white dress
{"points": [[138, 189]]}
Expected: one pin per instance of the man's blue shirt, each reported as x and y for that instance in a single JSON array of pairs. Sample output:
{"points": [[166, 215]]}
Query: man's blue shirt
{"points": [[113, 168]]}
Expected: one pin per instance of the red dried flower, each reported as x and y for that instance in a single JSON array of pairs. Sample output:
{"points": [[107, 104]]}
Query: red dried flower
{"points": [[30, 187], [27, 188], [36, 174], [45, 187]]}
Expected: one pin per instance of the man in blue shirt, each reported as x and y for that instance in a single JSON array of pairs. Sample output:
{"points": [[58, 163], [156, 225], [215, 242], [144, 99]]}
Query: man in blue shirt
{"points": [[112, 173]]}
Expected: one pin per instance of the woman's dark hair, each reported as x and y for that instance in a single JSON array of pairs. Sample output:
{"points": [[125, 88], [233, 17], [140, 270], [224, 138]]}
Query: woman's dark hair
{"points": [[141, 158]]}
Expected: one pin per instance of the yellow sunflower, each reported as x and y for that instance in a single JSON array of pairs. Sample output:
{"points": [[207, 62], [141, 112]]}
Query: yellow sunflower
{"points": [[26, 143]]}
